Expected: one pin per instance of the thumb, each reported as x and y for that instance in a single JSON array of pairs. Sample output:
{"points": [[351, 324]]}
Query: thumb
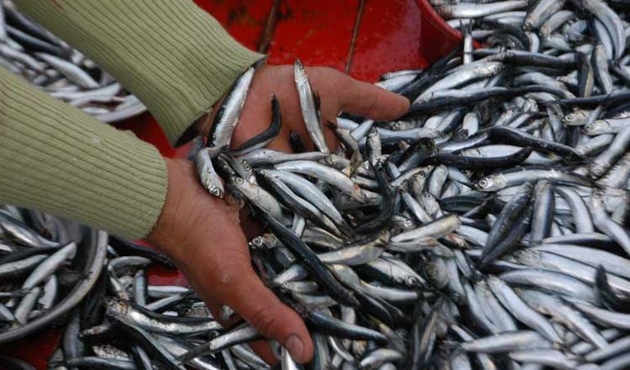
{"points": [[262, 309]]}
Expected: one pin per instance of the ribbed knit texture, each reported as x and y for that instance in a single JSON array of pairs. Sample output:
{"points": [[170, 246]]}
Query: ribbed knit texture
{"points": [[171, 54], [55, 158]]}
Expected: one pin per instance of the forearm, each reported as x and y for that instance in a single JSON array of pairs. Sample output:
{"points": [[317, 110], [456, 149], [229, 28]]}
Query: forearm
{"points": [[57, 159], [171, 54]]}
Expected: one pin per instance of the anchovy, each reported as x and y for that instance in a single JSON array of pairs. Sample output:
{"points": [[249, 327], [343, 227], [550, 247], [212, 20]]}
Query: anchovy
{"points": [[551, 281], [207, 175], [520, 340], [48, 267], [614, 319], [504, 180], [241, 334], [331, 176], [504, 224], [157, 323], [226, 118], [520, 310], [266, 136], [567, 266], [312, 263], [564, 314], [310, 107], [548, 357], [479, 10]]}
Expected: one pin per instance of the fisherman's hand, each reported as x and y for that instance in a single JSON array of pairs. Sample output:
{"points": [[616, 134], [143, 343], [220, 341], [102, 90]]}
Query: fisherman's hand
{"points": [[202, 234], [338, 93]]}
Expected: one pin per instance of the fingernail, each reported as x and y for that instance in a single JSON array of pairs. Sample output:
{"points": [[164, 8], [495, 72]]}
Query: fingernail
{"points": [[295, 346]]}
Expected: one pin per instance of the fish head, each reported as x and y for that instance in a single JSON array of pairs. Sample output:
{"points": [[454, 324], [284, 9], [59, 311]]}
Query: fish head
{"points": [[372, 132], [432, 272], [500, 68], [226, 312], [597, 198], [596, 128], [216, 192], [246, 166], [213, 188], [257, 242], [575, 118], [428, 198], [494, 282], [397, 126], [95, 330], [597, 170], [527, 257], [457, 241], [412, 282], [238, 181], [114, 305], [490, 183], [400, 224]]}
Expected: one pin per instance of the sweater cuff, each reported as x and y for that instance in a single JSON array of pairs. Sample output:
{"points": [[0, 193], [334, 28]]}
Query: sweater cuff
{"points": [[57, 159], [171, 54]]}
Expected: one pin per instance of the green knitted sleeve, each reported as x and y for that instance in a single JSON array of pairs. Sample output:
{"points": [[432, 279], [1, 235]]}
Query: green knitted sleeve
{"points": [[57, 159], [171, 54]]}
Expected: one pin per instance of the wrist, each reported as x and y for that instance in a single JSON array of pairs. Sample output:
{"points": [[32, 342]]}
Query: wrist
{"points": [[165, 232]]}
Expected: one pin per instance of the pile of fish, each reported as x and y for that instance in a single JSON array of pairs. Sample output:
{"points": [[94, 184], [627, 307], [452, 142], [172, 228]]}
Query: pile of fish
{"points": [[486, 228], [39, 264], [128, 323], [29, 50]]}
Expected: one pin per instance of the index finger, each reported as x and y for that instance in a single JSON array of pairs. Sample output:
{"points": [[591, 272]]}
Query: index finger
{"points": [[369, 100]]}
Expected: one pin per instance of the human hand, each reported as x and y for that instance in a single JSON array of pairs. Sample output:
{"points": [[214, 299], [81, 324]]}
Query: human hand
{"points": [[202, 235], [211, 249], [338, 93]]}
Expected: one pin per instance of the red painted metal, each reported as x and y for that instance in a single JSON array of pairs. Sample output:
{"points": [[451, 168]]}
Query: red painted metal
{"points": [[392, 35], [389, 39], [316, 32], [438, 38]]}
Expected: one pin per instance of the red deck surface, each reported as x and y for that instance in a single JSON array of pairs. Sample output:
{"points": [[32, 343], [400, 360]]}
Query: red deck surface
{"points": [[391, 35]]}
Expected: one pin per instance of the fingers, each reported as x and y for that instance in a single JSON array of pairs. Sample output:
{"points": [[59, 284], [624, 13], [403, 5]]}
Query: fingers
{"points": [[373, 102], [358, 97], [261, 308]]}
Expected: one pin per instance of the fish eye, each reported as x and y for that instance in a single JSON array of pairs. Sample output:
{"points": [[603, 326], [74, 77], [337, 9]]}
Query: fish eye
{"points": [[240, 181], [216, 192], [597, 171], [246, 165], [483, 183]]}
